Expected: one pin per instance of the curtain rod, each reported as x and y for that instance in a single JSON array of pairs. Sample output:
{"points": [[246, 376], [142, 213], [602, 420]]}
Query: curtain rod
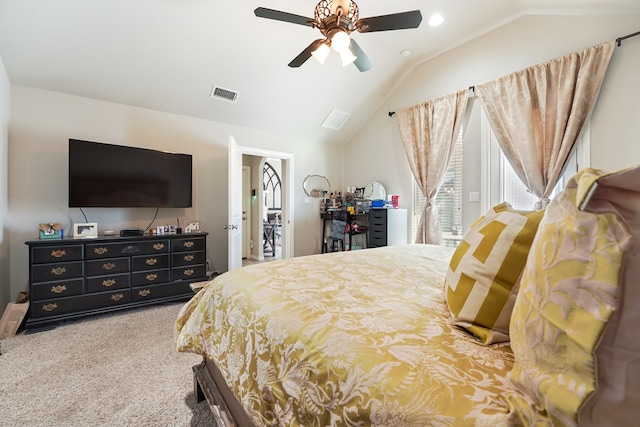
{"points": [[471, 89], [618, 41], [628, 36]]}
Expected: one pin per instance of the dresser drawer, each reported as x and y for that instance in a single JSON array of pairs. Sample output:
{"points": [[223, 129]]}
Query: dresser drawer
{"points": [[189, 244], [160, 291], [376, 241], [188, 258], [150, 277], [377, 228], [60, 306], [48, 254], [149, 262], [378, 215], [152, 247], [111, 250], [57, 289], [188, 273], [107, 283], [56, 271], [107, 266]]}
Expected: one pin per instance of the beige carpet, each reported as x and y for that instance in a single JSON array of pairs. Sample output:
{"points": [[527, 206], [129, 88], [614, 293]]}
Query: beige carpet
{"points": [[112, 370]]}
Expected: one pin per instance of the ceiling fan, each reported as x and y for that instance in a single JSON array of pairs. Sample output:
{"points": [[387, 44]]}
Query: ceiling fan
{"points": [[336, 19]]}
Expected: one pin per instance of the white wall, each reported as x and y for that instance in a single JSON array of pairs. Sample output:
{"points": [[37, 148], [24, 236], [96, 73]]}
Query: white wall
{"points": [[42, 122], [5, 95], [376, 152]]}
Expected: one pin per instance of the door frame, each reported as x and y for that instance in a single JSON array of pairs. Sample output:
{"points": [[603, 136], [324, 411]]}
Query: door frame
{"points": [[235, 199]]}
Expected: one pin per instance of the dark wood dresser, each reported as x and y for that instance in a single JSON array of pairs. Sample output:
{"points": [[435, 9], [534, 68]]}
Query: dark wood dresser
{"points": [[73, 278]]}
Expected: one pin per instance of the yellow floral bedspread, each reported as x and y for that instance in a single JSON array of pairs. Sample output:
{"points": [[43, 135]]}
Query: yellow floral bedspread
{"points": [[347, 339]]}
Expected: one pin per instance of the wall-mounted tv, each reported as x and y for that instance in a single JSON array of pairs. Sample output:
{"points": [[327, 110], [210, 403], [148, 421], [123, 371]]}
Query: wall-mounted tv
{"points": [[115, 176]]}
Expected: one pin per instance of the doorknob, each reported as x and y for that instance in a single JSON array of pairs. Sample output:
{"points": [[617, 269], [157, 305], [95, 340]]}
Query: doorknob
{"points": [[231, 227]]}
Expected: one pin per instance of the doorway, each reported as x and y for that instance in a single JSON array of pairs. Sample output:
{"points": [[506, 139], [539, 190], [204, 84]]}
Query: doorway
{"points": [[237, 154]]}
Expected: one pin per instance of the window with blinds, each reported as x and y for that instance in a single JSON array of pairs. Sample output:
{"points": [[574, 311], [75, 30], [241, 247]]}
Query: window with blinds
{"points": [[515, 192], [448, 200]]}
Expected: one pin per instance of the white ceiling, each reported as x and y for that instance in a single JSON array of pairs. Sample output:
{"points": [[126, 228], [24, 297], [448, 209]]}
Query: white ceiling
{"points": [[168, 54]]}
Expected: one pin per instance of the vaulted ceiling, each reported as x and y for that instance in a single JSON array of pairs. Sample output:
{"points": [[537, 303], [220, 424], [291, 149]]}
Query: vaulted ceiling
{"points": [[169, 54]]}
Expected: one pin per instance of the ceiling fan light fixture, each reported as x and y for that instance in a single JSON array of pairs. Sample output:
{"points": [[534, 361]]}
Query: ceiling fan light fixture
{"points": [[321, 53], [347, 57], [340, 41]]}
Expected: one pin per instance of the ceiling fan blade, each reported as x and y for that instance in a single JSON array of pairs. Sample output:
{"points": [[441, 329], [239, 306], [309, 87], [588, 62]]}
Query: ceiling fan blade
{"points": [[395, 21], [263, 12], [362, 60], [305, 54]]}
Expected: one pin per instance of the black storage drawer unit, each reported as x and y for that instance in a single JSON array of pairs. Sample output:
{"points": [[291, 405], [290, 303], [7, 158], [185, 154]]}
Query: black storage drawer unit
{"points": [[73, 278], [387, 227]]}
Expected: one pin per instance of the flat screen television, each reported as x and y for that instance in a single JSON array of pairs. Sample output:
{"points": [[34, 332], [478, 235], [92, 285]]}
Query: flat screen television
{"points": [[115, 176]]}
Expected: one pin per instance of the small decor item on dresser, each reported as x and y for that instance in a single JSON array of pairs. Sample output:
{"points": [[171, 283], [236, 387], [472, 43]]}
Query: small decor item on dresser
{"points": [[395, 201], [50, 230], [192, 227], [85, 230]]}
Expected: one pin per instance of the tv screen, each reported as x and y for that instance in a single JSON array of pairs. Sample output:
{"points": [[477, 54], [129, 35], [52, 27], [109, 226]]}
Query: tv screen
{"points": [[115, 176]]}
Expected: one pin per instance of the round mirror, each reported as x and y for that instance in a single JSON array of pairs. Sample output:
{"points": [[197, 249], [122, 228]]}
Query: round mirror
{"points": [[375, 191], [316, 186]]}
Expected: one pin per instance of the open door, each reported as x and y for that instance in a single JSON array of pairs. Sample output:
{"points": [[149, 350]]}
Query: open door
{"points": [[234, 226]]}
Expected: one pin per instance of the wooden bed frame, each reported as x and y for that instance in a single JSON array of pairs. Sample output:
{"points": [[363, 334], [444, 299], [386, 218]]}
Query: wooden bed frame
{"points": [[209, 384]]}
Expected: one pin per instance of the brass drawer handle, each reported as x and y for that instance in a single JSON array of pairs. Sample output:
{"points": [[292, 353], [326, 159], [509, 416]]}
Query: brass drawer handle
{"points": [[144, 292], [151, 261], [188, 244], [117, 297], [108, 282], [108, 266], [58, 289], [58, 270], [101, 250], [151, 277], [189, 257], [188, 272], [49, 307], [158, 246], [59, 253]]}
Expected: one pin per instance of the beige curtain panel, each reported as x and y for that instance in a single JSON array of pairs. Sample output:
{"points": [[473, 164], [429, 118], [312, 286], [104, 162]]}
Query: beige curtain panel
{"points": [[538, 113], [428, 132]]}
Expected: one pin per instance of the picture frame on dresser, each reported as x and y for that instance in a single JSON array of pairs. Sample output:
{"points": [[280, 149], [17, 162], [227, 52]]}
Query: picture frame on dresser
{"points": [[85, 230]]}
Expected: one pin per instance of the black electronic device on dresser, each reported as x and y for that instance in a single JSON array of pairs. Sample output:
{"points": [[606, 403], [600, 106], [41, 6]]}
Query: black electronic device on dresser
{"points": [[73, 278]]}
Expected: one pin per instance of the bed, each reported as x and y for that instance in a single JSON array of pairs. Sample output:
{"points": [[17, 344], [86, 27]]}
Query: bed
{"points": [[531, 320], [341, 339]]}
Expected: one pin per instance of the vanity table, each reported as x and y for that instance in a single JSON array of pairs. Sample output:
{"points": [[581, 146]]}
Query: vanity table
{"points": [[351, 219]]}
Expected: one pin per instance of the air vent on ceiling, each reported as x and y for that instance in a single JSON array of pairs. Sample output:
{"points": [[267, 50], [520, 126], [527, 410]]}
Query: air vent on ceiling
{"points": [[336, 119], [226, 94]]}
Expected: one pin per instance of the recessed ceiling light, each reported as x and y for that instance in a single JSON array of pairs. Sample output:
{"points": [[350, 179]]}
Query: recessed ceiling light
{"points": [[405, 52], [436, 19]]}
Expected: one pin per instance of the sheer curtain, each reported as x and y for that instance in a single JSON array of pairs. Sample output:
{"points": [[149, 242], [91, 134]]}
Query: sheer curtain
{"points": [[538, 113], [428, 132]]}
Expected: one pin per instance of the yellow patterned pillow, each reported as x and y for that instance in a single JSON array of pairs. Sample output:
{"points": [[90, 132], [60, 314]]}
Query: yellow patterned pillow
{"points": [[484, 273], [570, 291]]}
